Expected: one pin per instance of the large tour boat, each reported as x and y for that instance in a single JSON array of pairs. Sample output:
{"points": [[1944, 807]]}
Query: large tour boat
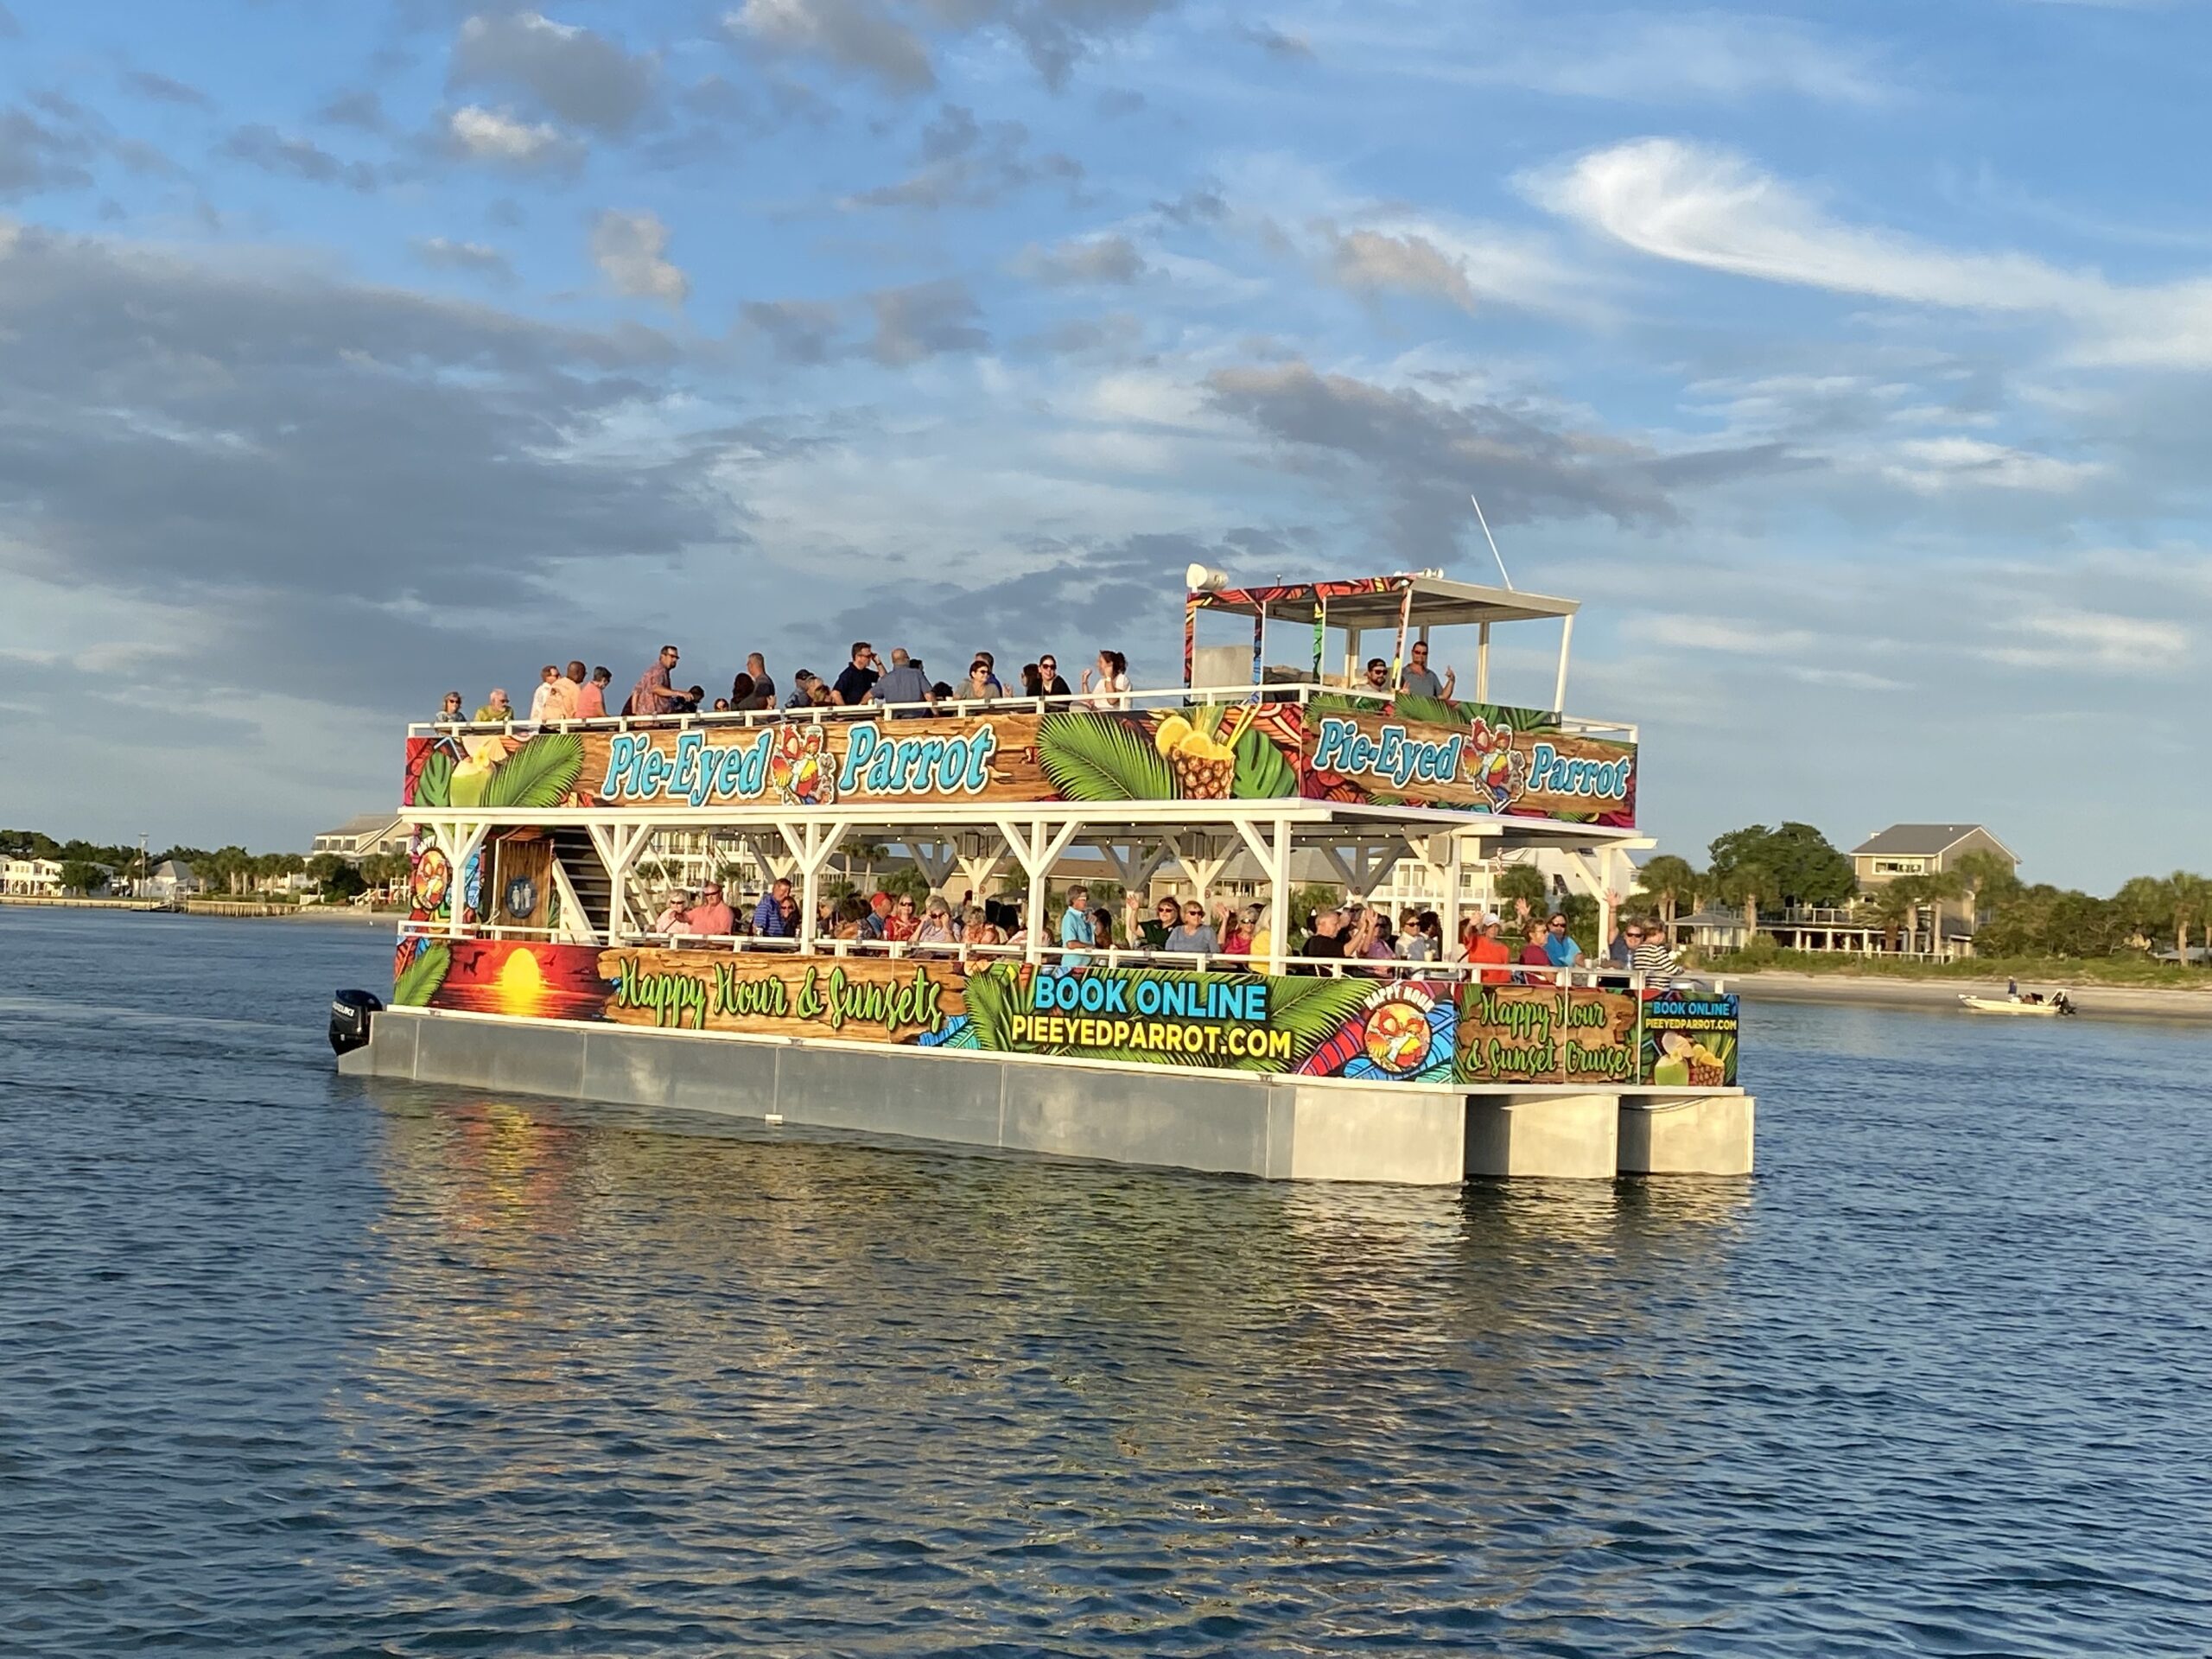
{"points": [[532, 962]]}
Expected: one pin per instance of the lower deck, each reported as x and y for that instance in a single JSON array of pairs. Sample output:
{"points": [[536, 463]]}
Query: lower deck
{"points": [[1267, 1126]]}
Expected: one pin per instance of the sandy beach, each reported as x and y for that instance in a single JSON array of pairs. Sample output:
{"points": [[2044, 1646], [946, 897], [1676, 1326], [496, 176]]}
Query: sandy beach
{"points": [[2126, 1001]]}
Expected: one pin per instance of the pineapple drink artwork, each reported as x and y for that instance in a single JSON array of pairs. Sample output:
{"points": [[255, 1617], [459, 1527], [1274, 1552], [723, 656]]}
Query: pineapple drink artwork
{"points": [[1204, 766]]}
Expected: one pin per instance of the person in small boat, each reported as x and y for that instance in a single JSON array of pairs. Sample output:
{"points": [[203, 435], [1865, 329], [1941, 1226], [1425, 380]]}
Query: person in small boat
{"points": [[2012, 990]]}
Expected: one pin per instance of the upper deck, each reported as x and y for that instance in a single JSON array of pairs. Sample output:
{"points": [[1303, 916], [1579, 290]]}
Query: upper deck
{"points": [[1300, 741], [1313, 750]]}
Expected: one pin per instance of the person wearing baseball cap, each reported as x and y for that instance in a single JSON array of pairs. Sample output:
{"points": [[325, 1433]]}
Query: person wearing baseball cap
{"points": [[1490, 946], [874, 926]]}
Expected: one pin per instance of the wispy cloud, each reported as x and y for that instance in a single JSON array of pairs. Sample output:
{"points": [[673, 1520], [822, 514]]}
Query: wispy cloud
{"points": [[1712, 208], [2074, 640]]}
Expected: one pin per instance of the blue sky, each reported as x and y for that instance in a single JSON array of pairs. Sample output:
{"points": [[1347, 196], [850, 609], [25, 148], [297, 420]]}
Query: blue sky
{"points": [[1853, 364]]}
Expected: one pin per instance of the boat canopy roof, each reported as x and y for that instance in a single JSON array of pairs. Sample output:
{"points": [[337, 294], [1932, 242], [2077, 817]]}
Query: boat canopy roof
{"points": [[1378, 601]]}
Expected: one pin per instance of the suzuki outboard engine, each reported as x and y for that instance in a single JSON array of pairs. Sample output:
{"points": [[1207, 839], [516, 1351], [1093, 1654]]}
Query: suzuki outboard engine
{"points": [[349, 1020]]}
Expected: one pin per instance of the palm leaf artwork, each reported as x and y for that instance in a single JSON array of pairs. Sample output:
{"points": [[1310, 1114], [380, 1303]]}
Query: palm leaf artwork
{"points": [[434, 784], [1091, 757], [1262, 774], [993, 998], [416, 986], [1433, 711], [539, 774], [1499, 714]]}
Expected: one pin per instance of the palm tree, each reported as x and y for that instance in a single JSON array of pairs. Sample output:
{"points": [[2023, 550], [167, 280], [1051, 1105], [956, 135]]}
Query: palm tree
{"points": [[2189, 897], [1750, 885], [1895, 905], [1674, 884]]}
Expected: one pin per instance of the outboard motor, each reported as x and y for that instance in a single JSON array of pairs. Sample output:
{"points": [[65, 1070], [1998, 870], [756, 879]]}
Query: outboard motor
{"points": [[349, 1020]]}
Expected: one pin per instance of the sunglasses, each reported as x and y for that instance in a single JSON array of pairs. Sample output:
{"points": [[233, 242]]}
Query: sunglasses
{"points": [[1559, 927]]}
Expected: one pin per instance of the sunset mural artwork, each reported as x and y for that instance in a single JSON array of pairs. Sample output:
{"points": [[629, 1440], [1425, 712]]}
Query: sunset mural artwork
{"points": [[1386, 1031]]}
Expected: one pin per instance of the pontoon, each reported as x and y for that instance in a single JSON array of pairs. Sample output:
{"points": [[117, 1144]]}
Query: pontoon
{"points": [[530, 962]]}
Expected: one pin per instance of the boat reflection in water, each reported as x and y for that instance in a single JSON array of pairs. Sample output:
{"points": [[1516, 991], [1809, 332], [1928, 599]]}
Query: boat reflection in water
{"points": [[824, 1377]]}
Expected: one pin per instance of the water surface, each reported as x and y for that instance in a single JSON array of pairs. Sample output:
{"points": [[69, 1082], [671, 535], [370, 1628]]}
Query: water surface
{"points": [[296, 1364]]}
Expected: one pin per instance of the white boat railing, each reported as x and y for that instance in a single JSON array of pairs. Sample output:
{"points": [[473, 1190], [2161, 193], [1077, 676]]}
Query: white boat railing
{"points": [[1379, 968], [1297, 692]]}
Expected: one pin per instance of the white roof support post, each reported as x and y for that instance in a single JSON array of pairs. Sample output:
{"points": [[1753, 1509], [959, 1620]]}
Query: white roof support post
{"points": [[1482, 663], [1455, 864], [1272, 853], [1352, 658], [576, 926], [1279, 899], [1565, 635], [774, 866], [810, 841], [1200, 868], [1038, 846], [1135, 868], [979, 862], [936, 860], [461, 840]]}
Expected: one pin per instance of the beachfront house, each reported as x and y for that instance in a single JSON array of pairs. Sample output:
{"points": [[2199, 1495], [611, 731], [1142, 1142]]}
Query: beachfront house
{"points": [[30, 877], [170, 880], [364, 836], [1930, 850]]}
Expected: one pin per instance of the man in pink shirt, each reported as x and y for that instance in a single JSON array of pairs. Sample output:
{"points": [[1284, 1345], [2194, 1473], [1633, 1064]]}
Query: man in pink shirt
{"points": [[652, 694], [711, 917], [590, 704]]}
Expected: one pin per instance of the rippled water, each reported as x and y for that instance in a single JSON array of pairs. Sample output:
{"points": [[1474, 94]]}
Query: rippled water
{"points": [[290, 1364]]}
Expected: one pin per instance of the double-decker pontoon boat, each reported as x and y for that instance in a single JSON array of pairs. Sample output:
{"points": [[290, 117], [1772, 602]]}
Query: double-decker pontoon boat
{"points": [[531, 961]]}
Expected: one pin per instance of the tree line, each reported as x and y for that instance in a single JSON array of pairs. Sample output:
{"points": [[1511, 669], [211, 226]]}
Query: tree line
{"points": [[87, 865], [1794, 865]]}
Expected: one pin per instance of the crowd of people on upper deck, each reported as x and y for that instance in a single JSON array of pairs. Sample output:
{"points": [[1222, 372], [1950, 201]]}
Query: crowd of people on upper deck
{"points": [[902, 684]]}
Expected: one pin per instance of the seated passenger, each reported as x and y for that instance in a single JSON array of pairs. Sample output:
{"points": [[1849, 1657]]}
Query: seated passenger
{"points": [[710, 917]]}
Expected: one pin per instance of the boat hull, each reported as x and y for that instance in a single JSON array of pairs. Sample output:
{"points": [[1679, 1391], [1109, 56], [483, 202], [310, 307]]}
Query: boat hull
{"points": [[2005, 1006]]}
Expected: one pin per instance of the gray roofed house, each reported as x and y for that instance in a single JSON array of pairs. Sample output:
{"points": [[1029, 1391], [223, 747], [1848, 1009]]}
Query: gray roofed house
{"points": [[1920, 849], [360, 836]]}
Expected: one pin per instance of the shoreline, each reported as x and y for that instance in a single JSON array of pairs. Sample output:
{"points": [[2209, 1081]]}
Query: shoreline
{"points": [[2121, 1002]]}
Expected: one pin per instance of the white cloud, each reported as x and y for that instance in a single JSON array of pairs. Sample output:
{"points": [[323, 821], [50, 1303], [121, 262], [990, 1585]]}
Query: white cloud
{"points": [[1932, 464], [1724, 634], [1711, 208], [628, 249], [1695, 58], [496, 137], [2093, 639]]}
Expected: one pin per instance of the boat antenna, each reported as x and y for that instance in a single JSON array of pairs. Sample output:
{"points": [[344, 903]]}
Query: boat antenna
{"points": [[1492, 539]]}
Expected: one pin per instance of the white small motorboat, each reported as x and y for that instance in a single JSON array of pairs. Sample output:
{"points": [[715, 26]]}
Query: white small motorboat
{"points": [[2048, 1006]]}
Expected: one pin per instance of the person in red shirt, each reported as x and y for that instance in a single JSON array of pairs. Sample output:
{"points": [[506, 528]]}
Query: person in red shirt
{"points": [[1490, 947], [654, 694], [591, 703], [901, 925]]}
